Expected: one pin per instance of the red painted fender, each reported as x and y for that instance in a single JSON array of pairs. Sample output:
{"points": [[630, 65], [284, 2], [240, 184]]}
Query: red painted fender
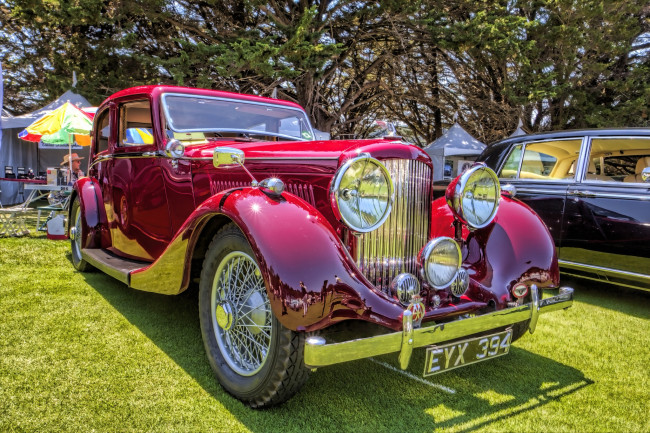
{"points": [[93, 217], [515, 247], [311, 279]]}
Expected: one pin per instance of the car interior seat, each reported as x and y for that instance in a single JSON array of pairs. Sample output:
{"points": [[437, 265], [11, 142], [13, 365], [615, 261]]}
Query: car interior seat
{"points": [[592, 172], [642, 163]]}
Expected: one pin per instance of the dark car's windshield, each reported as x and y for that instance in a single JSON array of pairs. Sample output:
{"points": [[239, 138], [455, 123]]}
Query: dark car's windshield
{"points": [[204, 114]]}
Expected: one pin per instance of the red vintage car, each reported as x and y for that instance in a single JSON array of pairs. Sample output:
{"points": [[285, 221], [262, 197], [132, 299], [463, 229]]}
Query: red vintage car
{"points": [[289, 238]]}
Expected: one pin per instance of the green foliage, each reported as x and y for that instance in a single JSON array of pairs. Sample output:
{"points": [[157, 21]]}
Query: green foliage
{"points": [[553, 63]]}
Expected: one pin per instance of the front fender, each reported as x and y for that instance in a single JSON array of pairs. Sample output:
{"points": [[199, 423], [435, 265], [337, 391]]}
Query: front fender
{"points": [[311, 280], [515, 247]]}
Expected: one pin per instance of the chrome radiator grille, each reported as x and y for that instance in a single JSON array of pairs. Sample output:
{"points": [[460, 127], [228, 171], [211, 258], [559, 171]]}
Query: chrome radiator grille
{"points": [[393, 248]]}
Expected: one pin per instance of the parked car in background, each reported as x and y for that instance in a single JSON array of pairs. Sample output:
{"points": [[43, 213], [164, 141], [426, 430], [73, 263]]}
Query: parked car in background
{"points": [[592, 189], [288, 236]]}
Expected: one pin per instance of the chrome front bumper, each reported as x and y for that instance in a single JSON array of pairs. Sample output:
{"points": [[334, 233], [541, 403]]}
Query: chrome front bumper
{"points": [[319, 354]]}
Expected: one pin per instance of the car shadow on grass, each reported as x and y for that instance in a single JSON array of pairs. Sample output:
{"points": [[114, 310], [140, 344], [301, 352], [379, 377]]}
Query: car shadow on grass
{"points": [[365, 395]]}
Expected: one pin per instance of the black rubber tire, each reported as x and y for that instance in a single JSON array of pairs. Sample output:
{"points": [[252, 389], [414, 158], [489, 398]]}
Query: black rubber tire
{"points": [[77, 261], [284, 372]]}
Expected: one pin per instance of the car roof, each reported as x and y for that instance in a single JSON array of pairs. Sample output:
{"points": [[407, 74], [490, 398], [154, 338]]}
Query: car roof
{"points": [[550, 135], [159, 89]]}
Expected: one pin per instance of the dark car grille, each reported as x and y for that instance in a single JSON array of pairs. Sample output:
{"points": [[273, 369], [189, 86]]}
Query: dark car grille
{"points": [[393, 248]]}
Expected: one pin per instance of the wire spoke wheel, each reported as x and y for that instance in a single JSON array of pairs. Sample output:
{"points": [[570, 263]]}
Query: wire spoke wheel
{"points": [[76, 237], [76, 244], [254, 357], [241, 313]]}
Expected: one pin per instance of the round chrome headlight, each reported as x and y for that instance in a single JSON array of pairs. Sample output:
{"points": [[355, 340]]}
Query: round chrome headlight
{"points": [[441, 259], [362, 193], [475, 196]]}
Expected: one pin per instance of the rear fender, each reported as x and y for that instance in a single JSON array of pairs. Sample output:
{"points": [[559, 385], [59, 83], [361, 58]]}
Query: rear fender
{"points": [[311, 280], [92, 214], [515, 247]]}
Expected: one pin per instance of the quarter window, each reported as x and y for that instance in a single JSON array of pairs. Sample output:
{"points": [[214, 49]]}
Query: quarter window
{"points": [[552, 160], [511, 167], [104, 131]]}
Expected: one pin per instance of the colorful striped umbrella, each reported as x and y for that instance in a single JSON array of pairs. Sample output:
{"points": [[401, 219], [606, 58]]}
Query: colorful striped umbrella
{"points": [[58, 126]]}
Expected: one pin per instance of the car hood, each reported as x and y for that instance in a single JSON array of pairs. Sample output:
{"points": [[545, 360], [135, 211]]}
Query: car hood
{"points": [[337, 150]]}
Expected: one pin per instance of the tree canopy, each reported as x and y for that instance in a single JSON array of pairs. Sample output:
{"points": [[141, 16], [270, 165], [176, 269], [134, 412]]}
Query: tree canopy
{"points": [[554, 64]]}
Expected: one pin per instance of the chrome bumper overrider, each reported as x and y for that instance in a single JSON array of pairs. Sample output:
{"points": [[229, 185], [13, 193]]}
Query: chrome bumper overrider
{"points": [[319, 354]]}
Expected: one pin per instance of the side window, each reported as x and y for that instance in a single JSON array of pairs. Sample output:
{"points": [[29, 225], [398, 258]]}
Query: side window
{"points": [[135, 124], [511, 167], [552, 160], [536, 164], [618, 160], [104, 129]]}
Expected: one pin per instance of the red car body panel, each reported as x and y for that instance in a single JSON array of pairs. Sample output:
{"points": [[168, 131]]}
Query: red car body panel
{"points": [[304, 252]]}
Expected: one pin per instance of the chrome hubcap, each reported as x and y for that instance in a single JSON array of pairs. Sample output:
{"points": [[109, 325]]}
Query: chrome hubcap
{"points": [[241, 313], [224, 315]]}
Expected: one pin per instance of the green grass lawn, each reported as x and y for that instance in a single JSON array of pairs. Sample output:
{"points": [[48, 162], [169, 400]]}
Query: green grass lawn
{"points": [[82, 352]]}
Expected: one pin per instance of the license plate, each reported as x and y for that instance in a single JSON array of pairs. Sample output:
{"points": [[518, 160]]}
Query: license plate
{"points": [[466, 352]]}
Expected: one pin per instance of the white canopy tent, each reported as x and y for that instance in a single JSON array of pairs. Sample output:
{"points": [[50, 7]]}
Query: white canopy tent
{"points": [[19, 153], [519, 131], [456, 146]]}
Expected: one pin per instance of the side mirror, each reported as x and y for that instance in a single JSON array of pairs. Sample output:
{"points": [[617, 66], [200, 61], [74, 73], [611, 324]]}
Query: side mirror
{"points": [[321, 135], [645, 174], [174, 149], [227, 157]]}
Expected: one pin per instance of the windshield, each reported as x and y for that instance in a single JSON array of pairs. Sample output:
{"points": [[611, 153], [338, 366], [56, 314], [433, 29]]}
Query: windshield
{"points": [[230, 117]]}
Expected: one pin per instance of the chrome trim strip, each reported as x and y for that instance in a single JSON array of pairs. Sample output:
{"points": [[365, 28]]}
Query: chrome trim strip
{"points": [[534, 308], [582, 163], [641, 278], [407, 340], [540, 191], [592, 194], [235, 100], [320, 355]]}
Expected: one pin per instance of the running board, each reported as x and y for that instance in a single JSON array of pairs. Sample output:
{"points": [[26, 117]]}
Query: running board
{"points": [[115, 266]]}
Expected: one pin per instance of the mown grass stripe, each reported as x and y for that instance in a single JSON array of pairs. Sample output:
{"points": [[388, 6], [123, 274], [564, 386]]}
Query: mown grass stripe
{"points": [[412, 376]]}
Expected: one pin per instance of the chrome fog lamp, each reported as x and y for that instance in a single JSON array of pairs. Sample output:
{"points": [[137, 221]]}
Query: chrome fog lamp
{"points": [[474, 196], [441, 259], [362, 193], [405, 287], [175, 149], [272, 185]]}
